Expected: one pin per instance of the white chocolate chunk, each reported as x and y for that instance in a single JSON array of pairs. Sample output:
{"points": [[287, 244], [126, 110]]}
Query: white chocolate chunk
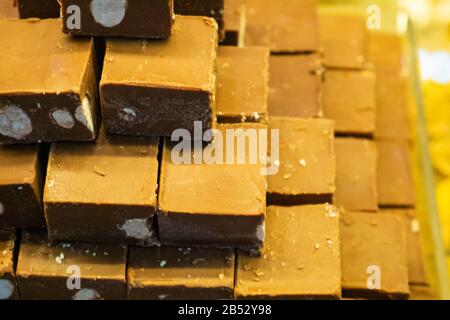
{"points": [[84, 114], [6, 289], [137, 229], [63, 118], [14, 123], [86, 294], [109, 13]]}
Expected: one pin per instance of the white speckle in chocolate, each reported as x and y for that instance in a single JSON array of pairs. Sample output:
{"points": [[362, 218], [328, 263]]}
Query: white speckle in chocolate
{"points": [[6, 289], [163, 296], [162, 263], [86, 294], [84, 114], [128, 114], [260, 232], [109, 13], [2, 209], [63, 118], [59, 259], [137, 229], [14, 123]]}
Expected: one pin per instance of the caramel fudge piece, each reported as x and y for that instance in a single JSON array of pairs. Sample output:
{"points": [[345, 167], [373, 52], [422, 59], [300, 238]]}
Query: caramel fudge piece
{"points": [[392, 119], [300, 258], [65, 271], [42, 9], [150, 88], [242, 84], [295, 85], [180, 273], [8, 9], [22, 176], [125, 18], [349, 98], [210, 8], [386, 52], [395, 182], [47, 85], [344, 40], [286, 26], [356, 174], [218, 203], [374, 256], [307, 164], [235, 21], [8, 257], [103, 191]]}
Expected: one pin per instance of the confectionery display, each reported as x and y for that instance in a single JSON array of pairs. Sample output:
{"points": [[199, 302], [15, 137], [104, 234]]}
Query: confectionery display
{"points": [[203, 150]]}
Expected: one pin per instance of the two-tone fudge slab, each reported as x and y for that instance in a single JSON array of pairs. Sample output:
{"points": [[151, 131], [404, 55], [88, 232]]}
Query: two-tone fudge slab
{"points": [[210, 8], [8, 9], [47, 84], [344, 40], [307, 164], [8, 288], [295, 85], [395, 181], [104, 191], [22, 176], [242, 84], [216, 202], [392, 119], [300, 257], [349, 97], [125, 18], [65, 271], [180, 273], [235, 21], [374, 255], [285, 26], [356, 174], [386, 52], [154, 88], [42, 9]]}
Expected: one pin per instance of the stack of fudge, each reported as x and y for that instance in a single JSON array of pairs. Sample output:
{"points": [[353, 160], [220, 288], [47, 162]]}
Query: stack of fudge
{"points": [[92, 205]]}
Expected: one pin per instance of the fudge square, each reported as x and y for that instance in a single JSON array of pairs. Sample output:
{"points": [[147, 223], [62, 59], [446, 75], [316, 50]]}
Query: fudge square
{"points": [[212, 204], [8, 288], [349, 97], [374, 255], [154, 88], [295, 85], [103, 191], [180, 273], [344, 39], [22, 176], [386, 52], [211, 8], [307, 164], [395, 181], [125, 18], [235, 21], [242, 84], [47, 84], [356, 174], [49, 270], [285, 26], [300, 258]]}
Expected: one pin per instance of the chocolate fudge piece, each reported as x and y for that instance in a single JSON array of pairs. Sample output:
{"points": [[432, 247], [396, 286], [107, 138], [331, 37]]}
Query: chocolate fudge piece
{"points": [[154, 88], [374, 256], [285, 26], [349, 97], [395, 182], [22, 176], [344, 40], [65, 271], [356, 174], [125, 18], [300, 258], [210, 8], [8, 257], [8, 9], [392, 119], [307, 164], [47, 85], [242, 84], [386, 52], [295, 85], [42, 9], [213, 203], [180, 273], [103, 191], [235, 21]]}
